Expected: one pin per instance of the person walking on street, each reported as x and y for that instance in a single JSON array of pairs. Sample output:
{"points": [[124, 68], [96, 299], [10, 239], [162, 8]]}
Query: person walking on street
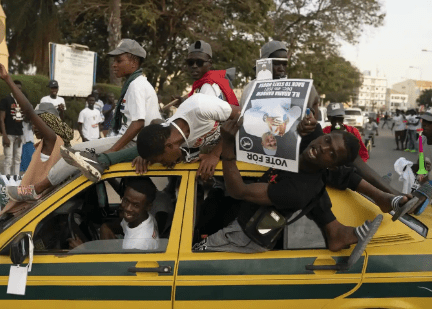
{"points": [[386, 120], [54, 99], [413, 121], [89, 120], [399, 127], [11, 118]]}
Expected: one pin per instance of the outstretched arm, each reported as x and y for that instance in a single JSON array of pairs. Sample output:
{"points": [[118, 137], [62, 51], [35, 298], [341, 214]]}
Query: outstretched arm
{"points": [[48, 134], [255, 192]]}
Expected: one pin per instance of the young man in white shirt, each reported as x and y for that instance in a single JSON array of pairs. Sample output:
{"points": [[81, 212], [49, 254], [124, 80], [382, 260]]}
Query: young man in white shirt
{"points": [[53, 98], [136, 108], [195, 125], [89, 121], [138, 226]]}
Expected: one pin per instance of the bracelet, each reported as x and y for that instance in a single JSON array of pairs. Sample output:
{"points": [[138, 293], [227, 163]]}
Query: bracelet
{"points": [[228, 159]]}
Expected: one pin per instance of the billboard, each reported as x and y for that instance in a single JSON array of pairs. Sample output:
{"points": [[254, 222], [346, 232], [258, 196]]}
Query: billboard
{"points": [[74, 69]]}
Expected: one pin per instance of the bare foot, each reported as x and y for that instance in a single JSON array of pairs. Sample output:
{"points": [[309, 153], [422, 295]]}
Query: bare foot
{"points": [[339, 236]]}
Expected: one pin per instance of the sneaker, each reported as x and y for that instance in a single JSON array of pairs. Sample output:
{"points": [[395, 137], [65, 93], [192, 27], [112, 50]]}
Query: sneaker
{"points": [[22, 193], [407, 149], [87, 162], [413, 150]]}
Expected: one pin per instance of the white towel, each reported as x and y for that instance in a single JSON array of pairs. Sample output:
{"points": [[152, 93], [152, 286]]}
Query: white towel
{"points": [[403, 167]]}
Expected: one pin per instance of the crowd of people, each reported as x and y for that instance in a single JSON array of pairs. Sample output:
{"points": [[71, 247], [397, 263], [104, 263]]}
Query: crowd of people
{"points": [[203, 130]]}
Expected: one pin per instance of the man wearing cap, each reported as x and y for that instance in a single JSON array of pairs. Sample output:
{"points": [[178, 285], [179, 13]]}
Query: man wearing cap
{"points": [[136, 108], [207, 81], [54, 99], [11, 127], [336, 113], [275, 50]]}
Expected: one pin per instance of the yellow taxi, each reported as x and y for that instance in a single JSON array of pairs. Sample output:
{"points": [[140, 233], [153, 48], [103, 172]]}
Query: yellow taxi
{"points": [[395, 270]]}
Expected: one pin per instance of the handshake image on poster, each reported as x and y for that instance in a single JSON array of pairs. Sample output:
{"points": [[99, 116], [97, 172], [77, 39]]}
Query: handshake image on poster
{"points": [[271, 114]]}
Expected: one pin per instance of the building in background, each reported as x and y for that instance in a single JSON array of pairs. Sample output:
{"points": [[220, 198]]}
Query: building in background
{"points": [[413, 88], [371, 96], [396, 100]]}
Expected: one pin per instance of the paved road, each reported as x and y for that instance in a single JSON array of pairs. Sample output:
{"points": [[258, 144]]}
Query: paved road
{"points": [[383, 156]]}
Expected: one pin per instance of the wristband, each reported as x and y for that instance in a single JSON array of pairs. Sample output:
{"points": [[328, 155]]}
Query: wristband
{"points": [[228, 158]]}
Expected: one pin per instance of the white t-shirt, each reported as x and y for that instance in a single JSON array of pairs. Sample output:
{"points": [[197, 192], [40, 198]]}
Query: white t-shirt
{"points": [[139, 102], [412, 122], [399, 124], [203, 113], [28, 135], [213, 90], [56, 102], [370, 128], [143, 237], [264, 74], [90, 120]]}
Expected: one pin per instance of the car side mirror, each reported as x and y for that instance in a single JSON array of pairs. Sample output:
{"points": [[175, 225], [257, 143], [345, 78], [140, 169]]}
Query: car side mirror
{"points": [[19, 248]]}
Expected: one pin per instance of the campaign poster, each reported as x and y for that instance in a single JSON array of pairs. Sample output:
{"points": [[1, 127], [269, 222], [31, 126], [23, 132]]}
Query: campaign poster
{"points": [[268, 136], [264, 69]]}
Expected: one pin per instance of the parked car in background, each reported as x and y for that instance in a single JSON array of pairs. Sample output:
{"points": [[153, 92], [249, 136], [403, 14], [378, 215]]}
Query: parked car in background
{"points": [[354, 117]]}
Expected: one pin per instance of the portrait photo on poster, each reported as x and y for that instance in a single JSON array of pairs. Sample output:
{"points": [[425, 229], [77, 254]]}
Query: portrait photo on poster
{"points": [[271, 114], [264, 69]]}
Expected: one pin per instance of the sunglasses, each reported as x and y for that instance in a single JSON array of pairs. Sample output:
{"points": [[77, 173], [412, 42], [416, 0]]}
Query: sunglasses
{"points": [[199, 62]]}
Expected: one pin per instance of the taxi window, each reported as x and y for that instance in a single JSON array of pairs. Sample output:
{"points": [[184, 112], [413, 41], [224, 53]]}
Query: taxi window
{"points": [[107, 217], [214, 210]]}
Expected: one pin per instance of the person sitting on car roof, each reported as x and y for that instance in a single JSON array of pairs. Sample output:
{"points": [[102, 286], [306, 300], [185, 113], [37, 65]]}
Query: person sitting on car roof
{"points": [[195, 125], [279, 194], [336, 113], [138, 226]]}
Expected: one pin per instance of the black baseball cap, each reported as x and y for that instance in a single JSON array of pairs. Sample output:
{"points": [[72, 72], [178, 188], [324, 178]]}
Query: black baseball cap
{"points": [[53, 84]]}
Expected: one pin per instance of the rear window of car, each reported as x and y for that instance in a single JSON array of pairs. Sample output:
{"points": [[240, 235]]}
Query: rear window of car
{"points": [[352, 113]]}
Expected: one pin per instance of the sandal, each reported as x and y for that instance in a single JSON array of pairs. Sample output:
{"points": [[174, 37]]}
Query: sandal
{"points": [[364, 233], [399, 211]]}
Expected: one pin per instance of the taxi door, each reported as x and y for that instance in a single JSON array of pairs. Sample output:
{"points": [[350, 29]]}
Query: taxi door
{"points": [[95, 280], [274, 279]]}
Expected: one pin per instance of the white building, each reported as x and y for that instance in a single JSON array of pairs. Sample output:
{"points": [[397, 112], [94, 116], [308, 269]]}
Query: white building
{"points": [[371, 96], [396, 100], [413, 88]]}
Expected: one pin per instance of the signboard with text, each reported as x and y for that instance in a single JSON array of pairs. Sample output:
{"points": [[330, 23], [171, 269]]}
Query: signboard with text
{"points": [[271, 114], [73, 69]]}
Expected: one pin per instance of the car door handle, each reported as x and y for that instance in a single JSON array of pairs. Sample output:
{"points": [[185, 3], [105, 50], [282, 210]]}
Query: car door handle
{"points": [[160, 269]]}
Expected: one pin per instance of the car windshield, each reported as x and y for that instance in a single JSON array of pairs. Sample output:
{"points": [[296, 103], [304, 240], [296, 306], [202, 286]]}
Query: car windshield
{"points": [[352, 113]]}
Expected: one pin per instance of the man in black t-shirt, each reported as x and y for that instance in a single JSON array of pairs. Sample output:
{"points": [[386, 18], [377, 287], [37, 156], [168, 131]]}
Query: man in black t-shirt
{"points": [[11, 119], [321, 161]]}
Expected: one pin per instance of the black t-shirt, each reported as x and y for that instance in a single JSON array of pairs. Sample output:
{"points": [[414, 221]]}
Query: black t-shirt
{"points": [[14, 117], [290, 191]]}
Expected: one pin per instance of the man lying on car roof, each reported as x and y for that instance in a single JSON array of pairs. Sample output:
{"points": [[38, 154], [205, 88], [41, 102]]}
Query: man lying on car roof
{"points": [[279, 194]]}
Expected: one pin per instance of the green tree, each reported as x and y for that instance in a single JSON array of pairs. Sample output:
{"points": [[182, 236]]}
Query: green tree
{"points": [[166, 28], [425, 98], [31, 25]]}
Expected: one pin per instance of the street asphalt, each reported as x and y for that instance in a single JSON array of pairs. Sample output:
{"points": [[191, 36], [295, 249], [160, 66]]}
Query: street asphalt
{"points": [[384, 155]]}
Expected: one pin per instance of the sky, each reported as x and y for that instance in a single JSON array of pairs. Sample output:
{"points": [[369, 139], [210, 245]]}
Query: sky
{"points": [[395, 49]]}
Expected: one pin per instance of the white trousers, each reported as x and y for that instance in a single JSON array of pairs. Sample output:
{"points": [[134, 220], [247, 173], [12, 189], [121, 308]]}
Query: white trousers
{"points": [[11, 165]]}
